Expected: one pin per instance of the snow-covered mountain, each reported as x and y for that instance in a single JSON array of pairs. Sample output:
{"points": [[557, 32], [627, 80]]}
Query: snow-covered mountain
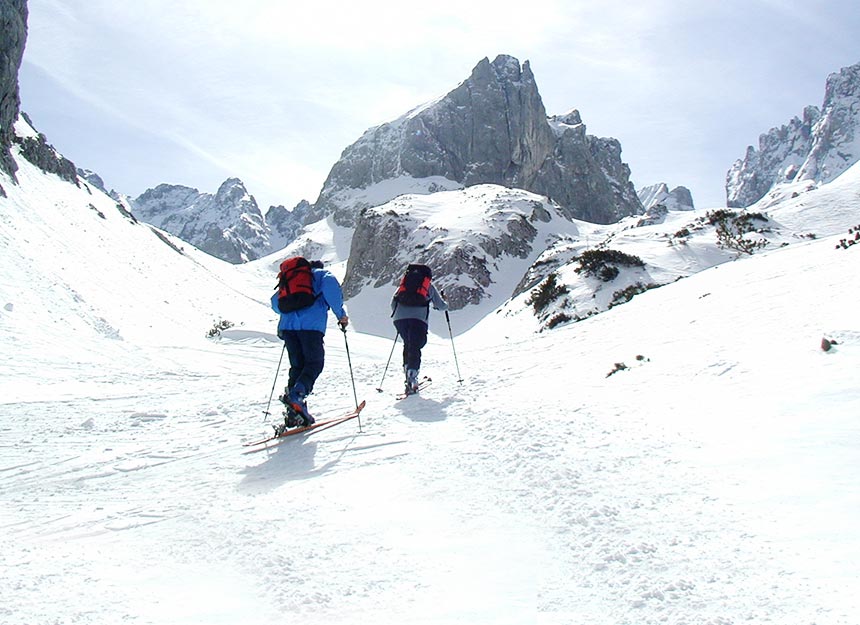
{"points": [[678, 199], [228, 224], [812, 150], [513, 252], [479, 242], [492, 128], [689, 457], [86, 268], [664, 461]]}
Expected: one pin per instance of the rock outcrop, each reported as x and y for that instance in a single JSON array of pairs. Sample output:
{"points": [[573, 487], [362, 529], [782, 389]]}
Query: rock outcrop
{"points": [[815, 148], [13, 25], [227, 225], [678, 199], [478, 241], [492, 128], [285, 225]]}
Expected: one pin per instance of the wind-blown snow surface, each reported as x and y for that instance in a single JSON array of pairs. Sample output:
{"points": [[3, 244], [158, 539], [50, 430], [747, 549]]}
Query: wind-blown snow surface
{"points": [[714, 480]]}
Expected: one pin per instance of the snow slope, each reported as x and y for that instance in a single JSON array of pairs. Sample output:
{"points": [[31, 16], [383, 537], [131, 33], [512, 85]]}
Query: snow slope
{"points": [[713, 479]]}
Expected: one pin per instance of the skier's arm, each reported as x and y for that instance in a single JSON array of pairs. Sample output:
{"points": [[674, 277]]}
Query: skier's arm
{"points": [[333, 296], [436, 299]]}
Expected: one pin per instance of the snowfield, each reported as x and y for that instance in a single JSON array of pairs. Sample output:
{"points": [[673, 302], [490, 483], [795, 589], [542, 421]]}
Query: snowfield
{"points": [[690, 457]]}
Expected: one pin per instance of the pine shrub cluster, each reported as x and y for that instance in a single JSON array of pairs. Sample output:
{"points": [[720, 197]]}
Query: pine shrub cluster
{"points": [[603, 264], [732, 228], [546, 293], [853, 238]]}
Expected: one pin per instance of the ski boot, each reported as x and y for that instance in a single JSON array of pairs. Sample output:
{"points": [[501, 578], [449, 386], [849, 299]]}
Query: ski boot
{"points": [[297, 408], [411, 381], [291, 420]]}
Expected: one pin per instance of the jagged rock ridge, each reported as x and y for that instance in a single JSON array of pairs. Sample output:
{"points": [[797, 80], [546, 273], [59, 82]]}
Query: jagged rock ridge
{"points": [[816, 148], [492, 128], [227, 225]]}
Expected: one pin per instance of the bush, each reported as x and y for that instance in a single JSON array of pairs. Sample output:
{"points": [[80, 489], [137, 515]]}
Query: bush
{"points": [[546, 293], [557, 319], [603, 263], [619, 366], [732, 229], [846, 243], [625, 295], [223, 324]]}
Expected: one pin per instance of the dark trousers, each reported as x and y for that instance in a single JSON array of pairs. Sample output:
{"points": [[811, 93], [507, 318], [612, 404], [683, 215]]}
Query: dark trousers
{"points": [[307, 357], [414, 335]]}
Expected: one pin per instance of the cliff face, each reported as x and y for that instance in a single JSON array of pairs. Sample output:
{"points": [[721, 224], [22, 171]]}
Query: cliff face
{"points": [[13, 25], [227, 225], [492, 128], [476, 240], [816, 147]]}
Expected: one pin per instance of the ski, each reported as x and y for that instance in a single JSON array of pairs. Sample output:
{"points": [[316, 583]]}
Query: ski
{"points": [[422, 384], [319, 425]]}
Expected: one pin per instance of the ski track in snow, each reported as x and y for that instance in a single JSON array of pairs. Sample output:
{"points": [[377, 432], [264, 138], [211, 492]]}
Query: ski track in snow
{"points": [[570, 515], [687, 458]]}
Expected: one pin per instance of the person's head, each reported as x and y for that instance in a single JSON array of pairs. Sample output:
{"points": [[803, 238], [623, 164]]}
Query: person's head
{"points": [[316, 264]]}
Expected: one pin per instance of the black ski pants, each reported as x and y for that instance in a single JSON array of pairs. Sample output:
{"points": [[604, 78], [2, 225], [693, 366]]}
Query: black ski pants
{"points": [[414, 335], [307, 357]]}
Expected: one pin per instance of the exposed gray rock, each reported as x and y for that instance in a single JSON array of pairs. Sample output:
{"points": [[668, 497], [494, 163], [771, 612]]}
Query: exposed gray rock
{"points": [[285, 225], [465, 260], [658, 201], [781, 152], [492, 128], [227, 225], [38, 151], [93, 178], [13, 26], [585, 174], [837, 133], [678, 199], [656, 214], [817, 148]]}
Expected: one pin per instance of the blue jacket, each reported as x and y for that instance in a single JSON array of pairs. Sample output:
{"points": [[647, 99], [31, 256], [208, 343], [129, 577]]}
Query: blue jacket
{"points": [[329, 296]]}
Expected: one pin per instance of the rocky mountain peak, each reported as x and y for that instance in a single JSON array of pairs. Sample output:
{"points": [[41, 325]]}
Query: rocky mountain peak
{"points": [[227, 225], [816, 147], [492, 128]]}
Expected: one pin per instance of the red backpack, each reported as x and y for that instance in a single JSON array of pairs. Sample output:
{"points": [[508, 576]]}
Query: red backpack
{"points": [[295, 285], [414, 289]]}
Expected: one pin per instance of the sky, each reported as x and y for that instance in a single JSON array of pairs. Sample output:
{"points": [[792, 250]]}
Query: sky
{"points": [[156, 92], [714, 480]]}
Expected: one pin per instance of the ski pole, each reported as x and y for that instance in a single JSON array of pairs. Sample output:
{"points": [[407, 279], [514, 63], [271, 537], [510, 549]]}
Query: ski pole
{"points": [[266, 414], [351, 377], [379, 388], [451, 334]]}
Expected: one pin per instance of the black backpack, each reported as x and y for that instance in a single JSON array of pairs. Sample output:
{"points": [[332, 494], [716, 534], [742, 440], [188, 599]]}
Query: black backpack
{"points": [[295, 285], [414, 289]]}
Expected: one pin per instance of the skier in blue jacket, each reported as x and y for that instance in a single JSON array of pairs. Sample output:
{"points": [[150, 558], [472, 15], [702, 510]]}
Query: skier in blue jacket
{"points": [[302, 332]]}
